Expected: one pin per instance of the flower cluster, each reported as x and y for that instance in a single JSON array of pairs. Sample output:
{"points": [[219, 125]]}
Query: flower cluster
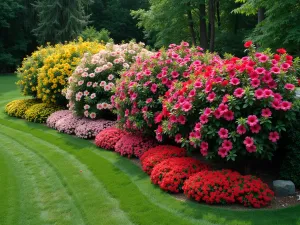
{"points": [[171, 173], [133, 145], [138, 93], [58, 66], [17, 108], [39, 113], [108, 138], [90, 128], [227, 187], [28, 72], [232, 107], [54, 117], [92, 83], [68, 124], [159, 153]]}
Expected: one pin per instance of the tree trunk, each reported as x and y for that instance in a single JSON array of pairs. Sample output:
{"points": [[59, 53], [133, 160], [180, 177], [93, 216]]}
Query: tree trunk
{"points": [[211, 15], [218, 13], [203, 29], [191, 24], [260, 15]]}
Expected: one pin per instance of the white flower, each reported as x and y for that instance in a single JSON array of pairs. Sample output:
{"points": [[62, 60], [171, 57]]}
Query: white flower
{"points": [[93, 115], [86, 107], [95, 84], [89, 83], [86, 93], [103, 83], [92, 75], [93, 96], [86, 113], [126, 65], [80, 82], [110, 77], [106, 88], [99, 106]]}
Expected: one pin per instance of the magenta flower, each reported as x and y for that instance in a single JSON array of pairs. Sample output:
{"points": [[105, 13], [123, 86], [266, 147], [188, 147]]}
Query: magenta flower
{"points": [[211, 96], [266, 112], [274, 136], [285, 105], [290, 87], [223, 133], [252, 120], [241, 129], [249, 141], [234, 81], [239, 92]]}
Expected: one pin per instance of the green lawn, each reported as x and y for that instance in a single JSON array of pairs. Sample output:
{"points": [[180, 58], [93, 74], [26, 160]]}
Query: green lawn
{"points": [[51, 178]]}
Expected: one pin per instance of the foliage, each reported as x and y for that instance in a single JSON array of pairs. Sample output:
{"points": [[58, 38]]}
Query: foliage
{"points": [[91, 34], [171, 173], [244, 105], [139, 92], [54, 117], [227, 187], [29, 70], [94, 79], [39, 113], [108, 138], [133, 145], [159, 153], [17, 108], [58, 66], [60, 21], [90, 128]]}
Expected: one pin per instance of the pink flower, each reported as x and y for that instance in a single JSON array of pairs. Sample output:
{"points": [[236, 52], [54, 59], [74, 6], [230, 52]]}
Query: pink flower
{"points": [[259, 94], [229, 115], [217, 113], [203, 119], [255, 129], [211, 96], [276, 104], [239, 92], [251, 148], [274, 136], [204, 148], [223, 108], [223, 133], [149, 100], [207, 111], [252, 120], [154, 88], [255, 83], [198, 127], [186, 106], [277, 96], [192, 93], [181, 119], [235, 81], [285, 105], [178, 138], [198, 84], [263, 58], [266, 112], [222, 152], [86, 107], [285, 66], [260, 70], [249, 141], [275, 70], [290, 87], [93, 115], [227, 145], [241, 129], [268, 93], [174, 74]]}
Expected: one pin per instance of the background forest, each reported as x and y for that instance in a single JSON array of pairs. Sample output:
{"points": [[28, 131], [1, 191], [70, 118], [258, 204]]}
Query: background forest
{"points": [[215, 25]]}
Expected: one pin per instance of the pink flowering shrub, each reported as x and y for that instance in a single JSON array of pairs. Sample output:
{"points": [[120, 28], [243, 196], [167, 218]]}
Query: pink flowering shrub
{"points": [[233, 107], [133, 145], [54, 117], [108, 138], [90, 128], [68, 123], [92, 83], [140, 90]]}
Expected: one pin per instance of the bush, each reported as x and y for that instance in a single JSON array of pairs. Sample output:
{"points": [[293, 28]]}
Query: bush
{"points": [[39, 113], [68, 123], [94, 79], [54, 117], [108, 138], [17, 108], [29, 71], [58, 66], [138, 97], [133, 145], [91, 34], [243, 106], [158, 154], [90, 128], [227, 187], [171, 173]]}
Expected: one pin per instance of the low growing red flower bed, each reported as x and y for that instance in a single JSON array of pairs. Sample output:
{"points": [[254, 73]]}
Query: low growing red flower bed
{"points": [[108, 138]]}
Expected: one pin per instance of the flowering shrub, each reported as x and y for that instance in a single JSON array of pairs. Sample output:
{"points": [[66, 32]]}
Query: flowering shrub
{"points": [[58, 66], [28, 72], [171, 173], [133, 145], [90, 128], [94, 79], [138, 93], [159, 153], [227, 187], [54, 117], [17, 108], [108, 138], [68, 123], [243, 104], [39, 113]]}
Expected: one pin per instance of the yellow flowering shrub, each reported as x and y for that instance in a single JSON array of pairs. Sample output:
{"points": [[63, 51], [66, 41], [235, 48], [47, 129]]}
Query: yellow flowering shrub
{"points": [[29, 70], [17, 108], [59, 66], [39, 113]]}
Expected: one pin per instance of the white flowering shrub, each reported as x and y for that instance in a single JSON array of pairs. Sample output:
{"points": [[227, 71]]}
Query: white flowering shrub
{"points": [[92, 84]]}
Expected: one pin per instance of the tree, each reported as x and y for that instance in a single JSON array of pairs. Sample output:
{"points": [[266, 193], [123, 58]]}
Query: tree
{"points": [[60, 20]]}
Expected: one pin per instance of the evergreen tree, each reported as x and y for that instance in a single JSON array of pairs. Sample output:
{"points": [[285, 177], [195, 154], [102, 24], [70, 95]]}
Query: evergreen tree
{"points": [[60, 20]]}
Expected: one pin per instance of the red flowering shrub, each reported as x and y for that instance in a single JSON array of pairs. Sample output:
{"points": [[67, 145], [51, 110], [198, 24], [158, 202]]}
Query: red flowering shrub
{"points": [[138, 93], [171, 173], [243, 104], [159, 153], [133, 145], [108, 138], [227, 187]]}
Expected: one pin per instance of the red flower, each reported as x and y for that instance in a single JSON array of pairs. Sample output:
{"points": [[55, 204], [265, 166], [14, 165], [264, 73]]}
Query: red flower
{"points": [[248, 44], [281, 51]]}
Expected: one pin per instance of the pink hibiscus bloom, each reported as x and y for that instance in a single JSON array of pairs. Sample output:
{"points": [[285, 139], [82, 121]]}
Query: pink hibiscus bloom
{"points": [[252, 120], [223, 133]]}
